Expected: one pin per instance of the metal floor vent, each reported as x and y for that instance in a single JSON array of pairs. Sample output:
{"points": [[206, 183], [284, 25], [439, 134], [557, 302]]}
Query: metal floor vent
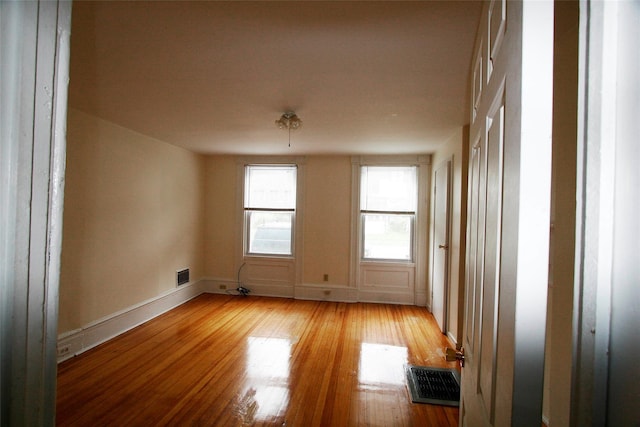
{"points": [[182, 276], [438, 386]]}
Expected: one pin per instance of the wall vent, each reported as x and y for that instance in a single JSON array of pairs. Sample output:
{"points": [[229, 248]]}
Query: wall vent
{"points": [[182, 276]]}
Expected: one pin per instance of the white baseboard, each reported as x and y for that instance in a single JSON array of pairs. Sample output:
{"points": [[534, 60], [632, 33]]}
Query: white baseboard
{"points": [[452, 338], [212, 285], [326, 293], [215, 285], [386, 297], [80, 340], [309, 291], [270, 290], [421, 300]]}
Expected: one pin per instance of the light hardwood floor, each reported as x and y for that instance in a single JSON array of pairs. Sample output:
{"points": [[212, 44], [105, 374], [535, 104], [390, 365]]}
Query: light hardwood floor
{"points": [[219, 360]]}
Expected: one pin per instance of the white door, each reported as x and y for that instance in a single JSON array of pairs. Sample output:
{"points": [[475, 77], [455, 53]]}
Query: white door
{"points": [[440, 279], [508, 216]]}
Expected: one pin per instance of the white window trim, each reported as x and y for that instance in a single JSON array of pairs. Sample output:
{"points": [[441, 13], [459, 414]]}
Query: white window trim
{"points": [[247, 211], [413, 213], [298, 248], [420, 250]]}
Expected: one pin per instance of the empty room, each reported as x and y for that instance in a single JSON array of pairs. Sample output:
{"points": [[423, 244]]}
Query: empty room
{"points": [[283, 148], [318, 213]]}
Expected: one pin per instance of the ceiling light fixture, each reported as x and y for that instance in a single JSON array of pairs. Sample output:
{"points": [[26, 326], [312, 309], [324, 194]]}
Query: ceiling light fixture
{"points": [[289, 121]]}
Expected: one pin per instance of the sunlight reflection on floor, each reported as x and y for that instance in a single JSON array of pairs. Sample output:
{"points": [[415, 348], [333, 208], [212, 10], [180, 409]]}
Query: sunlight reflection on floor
{"points": [[267, 383], [381, 364]]}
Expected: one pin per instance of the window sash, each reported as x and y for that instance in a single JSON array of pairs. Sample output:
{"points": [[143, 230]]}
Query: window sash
{"points": [[269, 232], [388, 206], [269, 209], [388, 188], [387, 244], [270, 187]]}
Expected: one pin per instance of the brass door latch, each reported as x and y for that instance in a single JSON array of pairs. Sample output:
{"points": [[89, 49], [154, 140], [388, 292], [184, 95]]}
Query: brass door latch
{"points": [[452, 355]]}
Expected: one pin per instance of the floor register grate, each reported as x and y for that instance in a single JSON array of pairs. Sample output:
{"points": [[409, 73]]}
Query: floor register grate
{"points": [[438, 386]]}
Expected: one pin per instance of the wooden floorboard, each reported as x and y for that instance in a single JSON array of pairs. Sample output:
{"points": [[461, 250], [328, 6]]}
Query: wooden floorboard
{"points": [[220, 360]]}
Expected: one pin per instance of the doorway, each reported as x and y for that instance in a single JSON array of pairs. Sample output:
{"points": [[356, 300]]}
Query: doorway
{"points": [[441, 225]]}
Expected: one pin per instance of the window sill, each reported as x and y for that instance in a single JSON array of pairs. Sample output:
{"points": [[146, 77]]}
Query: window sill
{"points": [[387, 262], [269, 257]]}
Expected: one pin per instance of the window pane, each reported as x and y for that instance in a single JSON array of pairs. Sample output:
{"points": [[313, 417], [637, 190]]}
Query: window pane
{"points": [[270, 232], [387, 236], [271, 187], [388, 188]]}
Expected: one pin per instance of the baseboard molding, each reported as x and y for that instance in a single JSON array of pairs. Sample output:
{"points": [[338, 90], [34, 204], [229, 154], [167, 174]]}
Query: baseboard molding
{"points": [[212, 285], [421, 300], [78, 341], [452, 338], [215, 285], [387, 297], [326, 293], [310, 291]]}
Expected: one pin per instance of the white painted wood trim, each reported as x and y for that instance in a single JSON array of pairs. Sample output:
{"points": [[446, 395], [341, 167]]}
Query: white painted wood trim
{"points": [[212, 285], [422, 236], [34, 48], [452, 338], [421, 251], [354, 250], [296, 260], [95, 333], [319, 292], [385, 298], [421, 301], [73, 343]]}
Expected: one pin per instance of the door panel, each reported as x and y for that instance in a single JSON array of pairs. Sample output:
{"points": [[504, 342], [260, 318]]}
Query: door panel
{"points": [[479, 271], [497, 23], [440, 280], [491, 286], [475, 165]]}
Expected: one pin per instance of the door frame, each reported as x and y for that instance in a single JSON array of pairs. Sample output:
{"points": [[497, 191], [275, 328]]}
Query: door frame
{"points": [[35, 52], [598, 276]]}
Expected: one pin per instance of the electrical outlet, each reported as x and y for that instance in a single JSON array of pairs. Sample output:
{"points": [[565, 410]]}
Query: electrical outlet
{"points": [[326, 277], [223, 287], [63, 350]]}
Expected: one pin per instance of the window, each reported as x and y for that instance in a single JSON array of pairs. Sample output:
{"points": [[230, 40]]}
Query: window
{"points": [[388, 196], [269, 209]]}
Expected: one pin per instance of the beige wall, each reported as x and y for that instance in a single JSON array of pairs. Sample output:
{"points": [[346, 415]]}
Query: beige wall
{"points": [[326, 218], [455, 150], [221, 210], [133, 216]]}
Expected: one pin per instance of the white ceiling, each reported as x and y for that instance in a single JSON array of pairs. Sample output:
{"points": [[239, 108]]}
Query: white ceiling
{"points": [[366, 77]]}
